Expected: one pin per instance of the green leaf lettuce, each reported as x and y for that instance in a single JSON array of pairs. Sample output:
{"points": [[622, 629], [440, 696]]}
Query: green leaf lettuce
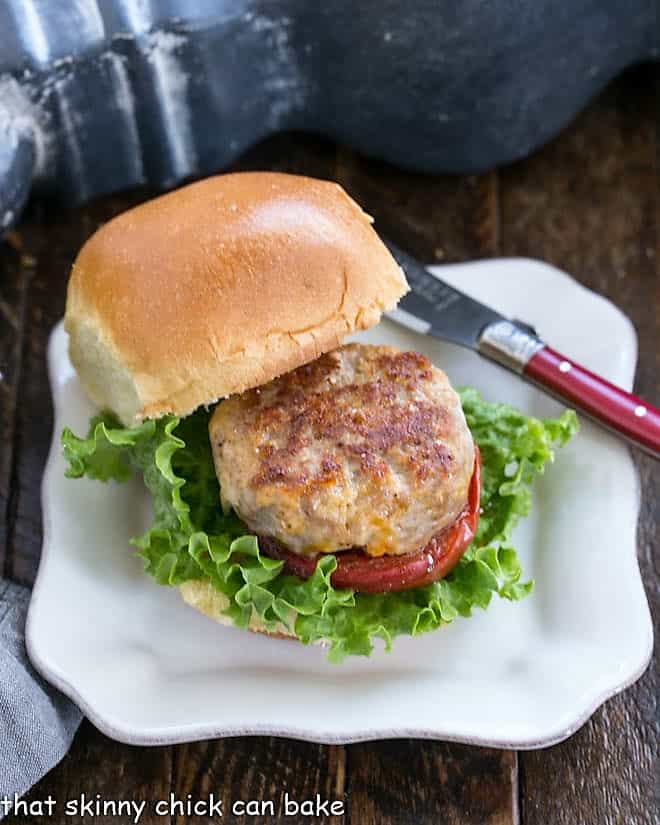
{"points": [[191, 537]]}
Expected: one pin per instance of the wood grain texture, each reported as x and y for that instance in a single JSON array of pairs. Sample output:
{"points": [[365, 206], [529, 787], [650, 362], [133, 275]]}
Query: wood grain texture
{"points": [[13, 282], [412, 781], [34, 411], [437, 218], [590, 203], [260, 769]]}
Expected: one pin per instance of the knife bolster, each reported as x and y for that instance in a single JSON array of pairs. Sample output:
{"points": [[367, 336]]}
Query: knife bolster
{"points": [[508, 345]]}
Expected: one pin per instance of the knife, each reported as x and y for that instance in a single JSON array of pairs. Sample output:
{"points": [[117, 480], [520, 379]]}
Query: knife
{"points": [[434, 308]]}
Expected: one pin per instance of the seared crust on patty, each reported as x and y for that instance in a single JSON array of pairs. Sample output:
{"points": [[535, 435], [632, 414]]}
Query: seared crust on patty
{"points": [[364, 447]]}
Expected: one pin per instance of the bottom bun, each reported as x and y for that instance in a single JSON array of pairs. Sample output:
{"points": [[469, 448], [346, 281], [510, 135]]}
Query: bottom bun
{"points": [[204, 597]]}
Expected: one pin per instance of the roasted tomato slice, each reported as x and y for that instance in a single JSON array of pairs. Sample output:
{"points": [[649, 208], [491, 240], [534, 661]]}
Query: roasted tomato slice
{"points": [[383, 574]]}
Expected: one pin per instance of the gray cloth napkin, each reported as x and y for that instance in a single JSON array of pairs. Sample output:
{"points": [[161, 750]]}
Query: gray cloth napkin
{"points": [[37, 722]]}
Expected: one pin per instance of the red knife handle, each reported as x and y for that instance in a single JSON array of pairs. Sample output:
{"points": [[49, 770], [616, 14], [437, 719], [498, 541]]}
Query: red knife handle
{"points": [[516, 347], [633, 418]]}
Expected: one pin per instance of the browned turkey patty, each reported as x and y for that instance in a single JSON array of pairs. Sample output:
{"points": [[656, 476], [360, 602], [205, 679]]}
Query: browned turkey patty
{"points": [[365, 447]]}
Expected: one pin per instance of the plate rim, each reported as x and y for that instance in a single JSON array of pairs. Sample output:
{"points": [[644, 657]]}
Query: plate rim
{"points": [[197, 732]]}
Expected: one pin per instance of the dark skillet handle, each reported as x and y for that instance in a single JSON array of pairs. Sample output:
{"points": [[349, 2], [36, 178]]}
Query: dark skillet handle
{"points": [[622, 412]]}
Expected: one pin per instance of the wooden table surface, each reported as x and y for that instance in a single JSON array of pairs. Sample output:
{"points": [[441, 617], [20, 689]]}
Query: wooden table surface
{"points": [[589, 202]]}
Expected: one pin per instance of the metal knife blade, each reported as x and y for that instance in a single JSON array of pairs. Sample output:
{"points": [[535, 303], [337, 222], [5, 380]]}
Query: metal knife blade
{"points": [[435, 308]]}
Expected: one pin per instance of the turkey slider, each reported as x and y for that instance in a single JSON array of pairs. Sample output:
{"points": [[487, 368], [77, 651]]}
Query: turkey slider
{"points": [[214, 316]]}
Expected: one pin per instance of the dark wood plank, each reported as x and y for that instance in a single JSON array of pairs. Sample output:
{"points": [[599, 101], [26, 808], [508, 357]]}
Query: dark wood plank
{"points": [[261, 770], [16, 269], [438, 218], [590, 203], [417, 781], [102, 770], [33, 419], [293, 152], [401, 781]]}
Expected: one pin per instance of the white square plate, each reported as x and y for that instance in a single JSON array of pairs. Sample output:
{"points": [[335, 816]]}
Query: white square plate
{"points": [[147, 669]]}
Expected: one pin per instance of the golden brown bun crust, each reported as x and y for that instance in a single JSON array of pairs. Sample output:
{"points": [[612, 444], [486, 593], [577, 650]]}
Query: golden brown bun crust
{"points": [[221, 286]]}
